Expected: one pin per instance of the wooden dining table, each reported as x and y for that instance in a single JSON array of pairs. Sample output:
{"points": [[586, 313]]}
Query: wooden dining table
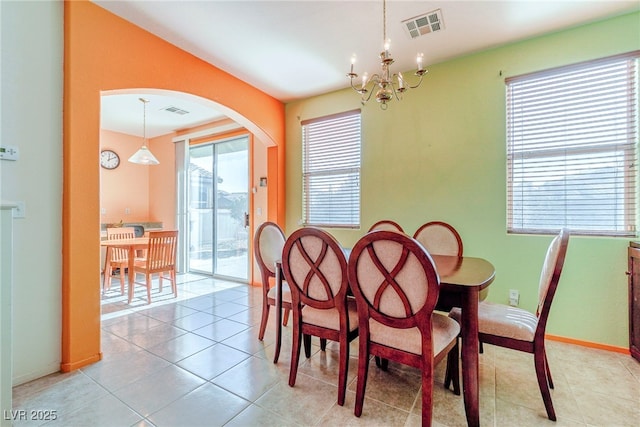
{"points": [[131, 245], [461, 280]]}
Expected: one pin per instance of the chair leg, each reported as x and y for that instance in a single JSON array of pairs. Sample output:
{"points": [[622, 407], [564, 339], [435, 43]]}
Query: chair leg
{"points": [[307, 345], [343, 369], [148, 280], [427, 389], [363, 371], [174, 284], [295, 352], [323, 344], [452, 372], [539, 358], [264, 320], [381, 363], [285, 319], [546, 364], [122, 279], [106, 285]]}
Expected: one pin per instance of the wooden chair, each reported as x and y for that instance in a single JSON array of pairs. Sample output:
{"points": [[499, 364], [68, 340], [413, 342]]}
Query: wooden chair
{"points": [[267, 245], [119, 257], [316, 269], [439, 238], [160, 259], [396, 288], [517, 329], [386, 224]]}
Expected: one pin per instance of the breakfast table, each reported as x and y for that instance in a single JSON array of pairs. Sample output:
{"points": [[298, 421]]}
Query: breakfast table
{"points": [[130, 245]]}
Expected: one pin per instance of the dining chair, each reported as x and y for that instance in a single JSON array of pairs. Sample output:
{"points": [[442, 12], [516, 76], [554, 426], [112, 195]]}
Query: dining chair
{"points": [[267, 245], [386, 224], [119, 257], [396, 288], [439, 238], [314, 264], [160, 259], [518, 329]]}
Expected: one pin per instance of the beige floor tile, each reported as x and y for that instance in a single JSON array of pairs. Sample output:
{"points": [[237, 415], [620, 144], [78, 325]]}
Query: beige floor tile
{"points": [[307, 402], [221, 374], [249, 379], [213, 361], [208, 405]]}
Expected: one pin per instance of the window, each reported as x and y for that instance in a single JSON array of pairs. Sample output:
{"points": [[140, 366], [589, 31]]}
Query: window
{"points": [[572, 138], [331, 170]]}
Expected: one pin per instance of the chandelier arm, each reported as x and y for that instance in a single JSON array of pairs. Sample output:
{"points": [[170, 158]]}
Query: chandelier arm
{"points": [[420, 74], [395, 94], [365, 100]]}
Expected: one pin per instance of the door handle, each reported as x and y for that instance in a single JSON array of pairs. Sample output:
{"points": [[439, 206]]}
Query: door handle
{"points": [[246, 220]]}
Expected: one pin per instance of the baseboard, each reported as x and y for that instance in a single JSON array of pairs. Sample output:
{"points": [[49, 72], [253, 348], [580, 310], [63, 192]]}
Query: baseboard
{"points": [[589, 344], [68, 367]]}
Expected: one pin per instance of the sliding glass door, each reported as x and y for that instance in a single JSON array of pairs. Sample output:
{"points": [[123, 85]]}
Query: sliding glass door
{"points": [[218, 206]]}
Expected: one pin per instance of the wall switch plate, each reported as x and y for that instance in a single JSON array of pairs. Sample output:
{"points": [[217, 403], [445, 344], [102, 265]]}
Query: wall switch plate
{"points": [[514, 297], [19, 211]]}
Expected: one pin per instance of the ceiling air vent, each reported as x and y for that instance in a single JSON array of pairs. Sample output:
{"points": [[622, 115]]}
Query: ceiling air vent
{"points": [[176, 110], [424, 24]]}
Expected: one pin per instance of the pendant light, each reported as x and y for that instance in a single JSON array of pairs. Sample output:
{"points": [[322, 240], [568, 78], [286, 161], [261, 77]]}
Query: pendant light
{"points": [[143, 156]]}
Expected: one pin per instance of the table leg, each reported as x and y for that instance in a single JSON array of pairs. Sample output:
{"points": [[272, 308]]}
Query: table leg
{"points": [[130, 272], [278, 269], [470, 362]]}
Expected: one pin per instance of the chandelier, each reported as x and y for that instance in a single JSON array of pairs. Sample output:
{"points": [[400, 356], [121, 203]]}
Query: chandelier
{"points": [[386, 85], [143, 156]]}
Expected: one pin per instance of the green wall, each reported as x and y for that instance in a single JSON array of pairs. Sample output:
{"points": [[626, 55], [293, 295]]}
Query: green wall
{"points": [[441, 155]]}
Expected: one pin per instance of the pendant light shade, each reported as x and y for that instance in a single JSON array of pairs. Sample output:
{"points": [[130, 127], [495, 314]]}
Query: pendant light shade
{"points": [[143, 156]]}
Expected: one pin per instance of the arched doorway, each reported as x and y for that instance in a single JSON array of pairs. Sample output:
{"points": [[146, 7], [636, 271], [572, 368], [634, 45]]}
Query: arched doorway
{"points": [[103, 53]]}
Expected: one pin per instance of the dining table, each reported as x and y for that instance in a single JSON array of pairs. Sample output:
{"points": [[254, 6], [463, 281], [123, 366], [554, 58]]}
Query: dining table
{"points": [[461, 281], [131, 245]]}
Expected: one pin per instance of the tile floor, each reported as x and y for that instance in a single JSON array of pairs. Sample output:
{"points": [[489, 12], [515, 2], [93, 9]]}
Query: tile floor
{"points": [[197, 361]]}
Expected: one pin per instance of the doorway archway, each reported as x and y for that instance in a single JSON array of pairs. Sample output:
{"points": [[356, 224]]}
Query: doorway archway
{"points": [[102, 53]]}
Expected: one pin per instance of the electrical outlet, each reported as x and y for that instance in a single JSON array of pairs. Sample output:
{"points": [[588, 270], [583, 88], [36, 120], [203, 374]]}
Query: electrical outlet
{"points": [[514, 297]]}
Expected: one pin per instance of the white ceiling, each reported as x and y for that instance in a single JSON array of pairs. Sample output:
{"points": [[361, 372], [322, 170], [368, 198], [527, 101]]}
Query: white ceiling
{"points": [[296, 49]]}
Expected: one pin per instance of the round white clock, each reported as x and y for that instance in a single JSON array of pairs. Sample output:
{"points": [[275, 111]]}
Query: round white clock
{"points": [[109, 159]]}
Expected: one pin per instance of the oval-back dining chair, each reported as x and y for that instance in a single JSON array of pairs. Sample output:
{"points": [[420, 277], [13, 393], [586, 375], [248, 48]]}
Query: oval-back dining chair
{"points": [[315, 266], [439, 238], [268, 244], [386, 224], [518, 329], [396, 288]]}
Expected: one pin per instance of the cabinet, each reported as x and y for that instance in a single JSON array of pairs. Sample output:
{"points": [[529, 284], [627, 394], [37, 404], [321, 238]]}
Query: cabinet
{"points": [[634, 299], [6, 239]]}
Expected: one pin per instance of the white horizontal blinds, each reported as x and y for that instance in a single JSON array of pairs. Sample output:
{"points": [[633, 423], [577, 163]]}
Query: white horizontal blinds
{"points": [[572, 137], [331, 170]]}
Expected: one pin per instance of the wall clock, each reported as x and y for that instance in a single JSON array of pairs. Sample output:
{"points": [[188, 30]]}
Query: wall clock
{"points": [[109, 159]]}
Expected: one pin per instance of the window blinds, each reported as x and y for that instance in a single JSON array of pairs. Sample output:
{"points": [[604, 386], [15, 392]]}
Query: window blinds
{"points": [[572, 141], [331, 170]]}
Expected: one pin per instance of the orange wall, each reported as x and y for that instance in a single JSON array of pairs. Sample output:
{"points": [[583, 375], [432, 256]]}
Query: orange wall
{"points": [[127, 186], [103, 52]]}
